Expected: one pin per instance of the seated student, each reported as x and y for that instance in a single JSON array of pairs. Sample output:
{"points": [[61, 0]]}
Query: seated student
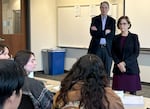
{"points": [[86, 87], [11, 82], [41, 96], [4, 52]]}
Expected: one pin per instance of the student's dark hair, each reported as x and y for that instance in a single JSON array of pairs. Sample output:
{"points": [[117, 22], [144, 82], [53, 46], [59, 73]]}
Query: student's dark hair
{"points": [[90, 70], [11, 79], [22, 57], [2, 48], [126, 18]]}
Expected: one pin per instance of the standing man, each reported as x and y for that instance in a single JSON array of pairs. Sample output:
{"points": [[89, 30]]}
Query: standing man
{"points": [[102, 31]]}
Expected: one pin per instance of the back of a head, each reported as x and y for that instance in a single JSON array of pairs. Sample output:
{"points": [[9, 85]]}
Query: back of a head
{"points": [[11, 79], [87, 67], [90, 70]]}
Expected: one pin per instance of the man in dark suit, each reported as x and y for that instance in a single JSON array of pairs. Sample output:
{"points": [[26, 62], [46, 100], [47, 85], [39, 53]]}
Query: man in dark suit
{"points": [[102, 31]]}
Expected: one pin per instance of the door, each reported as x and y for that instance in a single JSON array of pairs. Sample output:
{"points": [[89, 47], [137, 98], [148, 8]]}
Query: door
{"points": [[13, 25]]}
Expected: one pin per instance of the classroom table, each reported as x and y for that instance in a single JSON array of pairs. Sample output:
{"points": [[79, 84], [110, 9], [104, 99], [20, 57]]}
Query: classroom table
{"points": [[54, 85]]}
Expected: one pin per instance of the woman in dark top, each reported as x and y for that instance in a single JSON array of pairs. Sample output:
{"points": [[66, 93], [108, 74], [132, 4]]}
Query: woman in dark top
{"points": [[41, 97], [125, 50]]}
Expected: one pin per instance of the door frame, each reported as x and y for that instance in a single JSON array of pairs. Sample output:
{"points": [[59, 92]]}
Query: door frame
{"points": [[28, 27], [25, 27]]}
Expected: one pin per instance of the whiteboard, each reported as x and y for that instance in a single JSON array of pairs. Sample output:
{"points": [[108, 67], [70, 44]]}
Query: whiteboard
{"points": [[74, 25], [139, 15]]}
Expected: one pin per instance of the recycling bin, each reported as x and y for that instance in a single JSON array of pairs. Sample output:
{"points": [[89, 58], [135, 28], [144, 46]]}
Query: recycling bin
{"points": [[53, 61]]}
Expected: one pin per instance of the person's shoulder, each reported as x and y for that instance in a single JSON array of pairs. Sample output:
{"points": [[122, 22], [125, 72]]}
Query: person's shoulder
{"points": [[96, 17], [114, 99], [109, 91], [111, 95], [33, 81], [111, 18], [133, 35], [117, 36]]}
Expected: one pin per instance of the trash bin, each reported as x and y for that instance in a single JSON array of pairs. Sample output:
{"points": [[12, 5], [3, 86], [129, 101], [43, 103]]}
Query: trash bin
{"points": [[53, 61]]}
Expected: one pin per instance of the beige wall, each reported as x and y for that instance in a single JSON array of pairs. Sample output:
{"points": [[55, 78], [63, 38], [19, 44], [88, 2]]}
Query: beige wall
{"points": [[76, 2], [43, 27], [44, 23], [90, 2], [83, 2]]}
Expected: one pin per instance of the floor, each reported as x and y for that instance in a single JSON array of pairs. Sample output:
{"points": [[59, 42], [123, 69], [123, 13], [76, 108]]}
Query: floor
{"points": [[144, 92]]}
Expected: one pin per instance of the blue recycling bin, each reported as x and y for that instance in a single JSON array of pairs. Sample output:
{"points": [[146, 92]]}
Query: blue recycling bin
{"points": [[53, 61]]}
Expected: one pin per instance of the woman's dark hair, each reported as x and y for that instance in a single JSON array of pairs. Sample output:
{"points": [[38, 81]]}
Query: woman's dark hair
{"points": [[22, 57], [2, 48], [90, 70], [11, 79], [126, 18]]}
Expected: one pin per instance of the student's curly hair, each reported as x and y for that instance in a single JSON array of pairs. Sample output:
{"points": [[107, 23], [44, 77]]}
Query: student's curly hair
{"points": [[90, 70]]}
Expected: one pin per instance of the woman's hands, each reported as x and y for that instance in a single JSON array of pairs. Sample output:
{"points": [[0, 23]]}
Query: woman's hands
{"points": [[122, 67]]}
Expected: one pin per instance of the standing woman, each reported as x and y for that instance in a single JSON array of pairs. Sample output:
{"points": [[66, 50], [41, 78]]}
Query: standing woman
{"points": [[125, 50]]}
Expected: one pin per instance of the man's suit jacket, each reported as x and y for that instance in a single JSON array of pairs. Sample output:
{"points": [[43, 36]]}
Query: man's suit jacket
{"points": [[96, 35], [129, 54]]}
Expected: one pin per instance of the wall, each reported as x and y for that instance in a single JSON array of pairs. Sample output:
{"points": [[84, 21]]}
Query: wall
{"points": [[90, 2], [44, 33], [74, 22], [140, 22], [44, 22], [43, 27], [72, 54], [144, 62]]}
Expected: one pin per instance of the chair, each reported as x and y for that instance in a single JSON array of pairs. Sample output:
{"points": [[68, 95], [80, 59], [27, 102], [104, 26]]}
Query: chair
{"points": [[26, 102]]}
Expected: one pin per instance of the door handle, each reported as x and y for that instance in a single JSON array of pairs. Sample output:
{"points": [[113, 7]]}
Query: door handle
{"points": [[2, 39]]}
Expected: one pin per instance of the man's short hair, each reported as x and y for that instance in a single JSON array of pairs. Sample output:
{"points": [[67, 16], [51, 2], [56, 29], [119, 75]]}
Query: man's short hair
{"points": [[105, 3]]}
